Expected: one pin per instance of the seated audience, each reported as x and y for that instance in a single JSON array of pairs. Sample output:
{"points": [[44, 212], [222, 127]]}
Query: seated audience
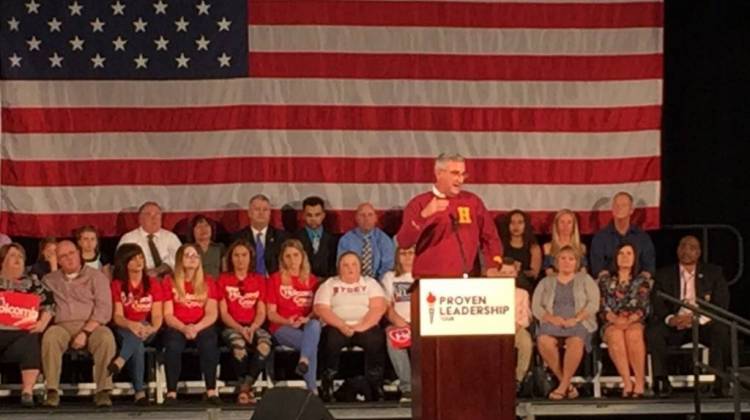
{"points": [[523, 343], [320, 245], [672, 324], [46, 260], [565, 304], [625, 296], [83, 307], [619, 230], [290, 300], [159, 245], [397, 284], [520, 243], [20, 340], [243, 312], [375, 248], [87, 239], [138, 314], [351, 306], [212, 253], [190, 312], [564, 233], [264, 238]]}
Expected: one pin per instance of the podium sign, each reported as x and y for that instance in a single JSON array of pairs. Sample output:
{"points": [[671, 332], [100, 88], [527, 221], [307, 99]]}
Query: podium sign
{"points": [[460, 306]]}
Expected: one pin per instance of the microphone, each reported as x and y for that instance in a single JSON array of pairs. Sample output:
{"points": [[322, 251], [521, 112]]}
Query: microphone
{"points": [[454, 223]]}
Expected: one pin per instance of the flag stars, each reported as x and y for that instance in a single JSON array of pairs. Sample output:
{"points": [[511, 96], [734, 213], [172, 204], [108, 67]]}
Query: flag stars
{"points": [[161, 43], [141, 62], [224, 60], [224, 24], [181, 24], [202, 43], [54, 25], [76, 44], [75, 9], [32, 7], [15, 60], [14, 24], [119, 43], [34, 44], [97, 25], [182, 61], [55, 60], [202, 8], [118, 9], [140, 25], [160, 8], [98, 61]]}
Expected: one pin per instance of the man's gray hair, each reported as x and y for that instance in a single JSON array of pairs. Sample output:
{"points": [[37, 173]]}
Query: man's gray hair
{"points": [[444, 158]]}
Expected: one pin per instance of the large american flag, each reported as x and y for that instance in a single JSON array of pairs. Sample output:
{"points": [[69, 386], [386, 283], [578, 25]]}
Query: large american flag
{"points": [[200, 104]]}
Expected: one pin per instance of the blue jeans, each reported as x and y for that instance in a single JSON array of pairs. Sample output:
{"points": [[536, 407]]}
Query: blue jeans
{"points": [[306, 341], [133, 351]]}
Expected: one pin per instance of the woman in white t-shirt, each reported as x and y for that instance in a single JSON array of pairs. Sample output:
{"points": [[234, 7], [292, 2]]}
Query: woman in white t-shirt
{"points": [[351, 306], [397, 284]]}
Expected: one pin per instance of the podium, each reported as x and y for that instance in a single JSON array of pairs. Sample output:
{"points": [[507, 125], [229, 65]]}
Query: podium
{"points": [[462, 359]]}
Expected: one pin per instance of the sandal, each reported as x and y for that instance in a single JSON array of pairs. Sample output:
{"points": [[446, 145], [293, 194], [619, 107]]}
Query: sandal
{"points": [[556, 395], [572, 392], [245, 396]]}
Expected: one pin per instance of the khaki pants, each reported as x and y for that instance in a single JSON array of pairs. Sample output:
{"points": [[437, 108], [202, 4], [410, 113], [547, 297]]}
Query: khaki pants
{"points": [[524, 349], [56, 340]]}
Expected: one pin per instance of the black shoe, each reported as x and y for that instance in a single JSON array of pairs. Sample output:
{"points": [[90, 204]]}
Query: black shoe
{"points": [[112, 368], [213, 400], [142, 402], [662, 387], [325, 392], [27, 400], [302, 368], [170, 401]]}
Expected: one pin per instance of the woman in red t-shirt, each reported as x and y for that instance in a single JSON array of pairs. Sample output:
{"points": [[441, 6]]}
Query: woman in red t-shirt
{"points": [[243, 311], [290, 299], [138, 313], [190, 311]]}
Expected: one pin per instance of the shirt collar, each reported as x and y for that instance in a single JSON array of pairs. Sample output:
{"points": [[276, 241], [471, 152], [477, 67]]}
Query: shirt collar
{"points": [[437, 193], [145, 234], [314, 233], [256, 232]]}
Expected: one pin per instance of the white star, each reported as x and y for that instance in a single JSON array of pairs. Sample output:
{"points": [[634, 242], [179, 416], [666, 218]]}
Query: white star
{"points": [[118, 8], [32, 7], [120, 43], [161, 43], [98, 60], [224, 60], [55, 60], [140, 25], [160, 7], [76, 43], [202, 8], [202, 43], [224, 24], [141, 62], [182, 24], [14, 24], [182, 61], [97, 25], [75, 9], [15, 61], [34, 43], [54, 25]]}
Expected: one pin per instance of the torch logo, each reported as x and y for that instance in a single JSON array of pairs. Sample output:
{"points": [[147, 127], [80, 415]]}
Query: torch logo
{"points": [[431, 305]]}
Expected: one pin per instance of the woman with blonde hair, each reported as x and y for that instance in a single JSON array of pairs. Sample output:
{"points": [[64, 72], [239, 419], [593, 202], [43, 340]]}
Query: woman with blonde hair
{"points": [[290, 302], [565, 232], [190, 312]]}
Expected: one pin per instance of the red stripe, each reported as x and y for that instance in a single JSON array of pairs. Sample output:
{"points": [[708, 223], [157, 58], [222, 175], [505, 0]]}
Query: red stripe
{"points": [[299, 117], [115, 224], [456, 67], [455, 14], [322, 170]]}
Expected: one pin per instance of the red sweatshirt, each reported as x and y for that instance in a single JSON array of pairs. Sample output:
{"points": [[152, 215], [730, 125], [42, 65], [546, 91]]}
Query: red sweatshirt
{"points": [[437, 248]]}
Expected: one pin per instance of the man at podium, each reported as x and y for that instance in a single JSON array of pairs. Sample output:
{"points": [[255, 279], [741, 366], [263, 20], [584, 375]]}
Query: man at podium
{"points": [[448, 226]]}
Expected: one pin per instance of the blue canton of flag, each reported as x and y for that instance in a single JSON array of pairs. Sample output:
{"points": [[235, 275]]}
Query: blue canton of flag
{"points": [[123, 39]]}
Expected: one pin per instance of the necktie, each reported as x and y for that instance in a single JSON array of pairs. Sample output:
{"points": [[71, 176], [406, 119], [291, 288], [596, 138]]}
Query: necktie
{"points": [[367, 258], [260, 255], [315, 241], [154, 250]]}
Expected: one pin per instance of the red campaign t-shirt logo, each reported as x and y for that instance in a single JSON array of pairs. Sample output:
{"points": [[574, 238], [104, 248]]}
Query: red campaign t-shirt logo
{"points": [[400, 338], [142, 304], [246, 300], [190, 300], [301, 298]]}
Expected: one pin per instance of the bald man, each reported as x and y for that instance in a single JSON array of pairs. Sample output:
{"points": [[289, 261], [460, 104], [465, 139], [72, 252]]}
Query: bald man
{"points": [[375, 247]]}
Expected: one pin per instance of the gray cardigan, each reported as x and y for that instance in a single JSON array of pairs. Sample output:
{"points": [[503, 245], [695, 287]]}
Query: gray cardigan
{"points": [[585, 294]]}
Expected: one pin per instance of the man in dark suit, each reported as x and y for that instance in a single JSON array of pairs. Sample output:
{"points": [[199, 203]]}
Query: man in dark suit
{"points": [[320, 245], [265, 239], [671, 324]]}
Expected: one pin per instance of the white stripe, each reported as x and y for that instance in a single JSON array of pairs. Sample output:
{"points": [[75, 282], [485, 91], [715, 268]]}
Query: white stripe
{"points": [[329, 92], [42, 200], [429, 40], [334, 143]]}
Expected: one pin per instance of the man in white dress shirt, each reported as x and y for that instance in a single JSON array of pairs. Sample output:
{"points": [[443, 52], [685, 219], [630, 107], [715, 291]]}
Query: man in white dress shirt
{"points": [[159, 245]]}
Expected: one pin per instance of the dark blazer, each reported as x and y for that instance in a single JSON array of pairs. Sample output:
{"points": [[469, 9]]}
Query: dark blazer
{"points": [[710, 285], [274, 239], [322, 263]]}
